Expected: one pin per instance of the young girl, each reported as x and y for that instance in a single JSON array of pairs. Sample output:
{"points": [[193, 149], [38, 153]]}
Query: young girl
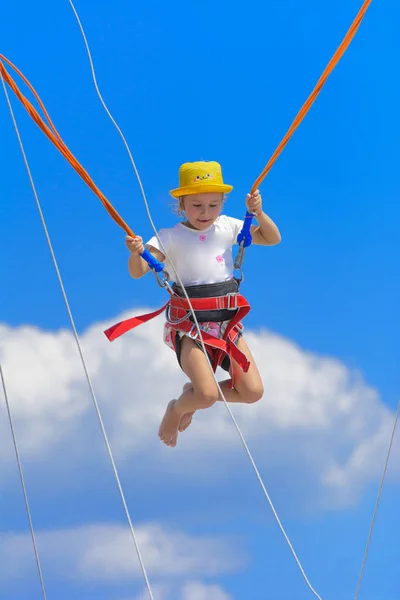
{"points": [[200, 248]]}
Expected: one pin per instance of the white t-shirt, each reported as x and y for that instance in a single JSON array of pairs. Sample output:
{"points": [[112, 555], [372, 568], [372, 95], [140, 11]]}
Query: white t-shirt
{"points": [[200, 257]]}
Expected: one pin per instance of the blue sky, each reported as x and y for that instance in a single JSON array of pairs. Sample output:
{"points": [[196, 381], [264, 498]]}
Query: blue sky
{"points": [[214, 81]]}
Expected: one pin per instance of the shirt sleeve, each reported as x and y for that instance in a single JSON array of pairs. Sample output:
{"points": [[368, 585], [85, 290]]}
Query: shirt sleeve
{"points": [[163, 234], [236, 227]]}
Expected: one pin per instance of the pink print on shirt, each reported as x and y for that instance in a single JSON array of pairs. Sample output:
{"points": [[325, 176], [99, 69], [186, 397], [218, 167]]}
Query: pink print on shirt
{"points": [[220, 259], [202, 237], [167, 334]]}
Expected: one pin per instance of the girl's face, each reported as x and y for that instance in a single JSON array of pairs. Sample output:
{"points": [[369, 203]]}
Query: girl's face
{"points": [[202, 209]]}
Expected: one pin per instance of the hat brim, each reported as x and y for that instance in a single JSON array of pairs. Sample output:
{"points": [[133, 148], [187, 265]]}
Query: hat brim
{"points": [[201, 188]]}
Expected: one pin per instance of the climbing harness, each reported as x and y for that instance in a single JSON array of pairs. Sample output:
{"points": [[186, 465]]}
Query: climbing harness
{"points": [[228, 305]]}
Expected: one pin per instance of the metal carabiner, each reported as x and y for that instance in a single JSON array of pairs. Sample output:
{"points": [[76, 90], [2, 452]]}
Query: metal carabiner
{"points": [[239, 261], [163, 280]]}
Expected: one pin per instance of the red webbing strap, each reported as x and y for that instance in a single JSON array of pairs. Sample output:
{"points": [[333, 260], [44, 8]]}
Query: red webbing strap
{"points": [[222, 346], [198, 304], [217, 303], [120, 328], [242, 312]]}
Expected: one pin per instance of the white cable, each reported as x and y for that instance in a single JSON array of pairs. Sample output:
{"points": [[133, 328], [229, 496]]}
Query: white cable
{"points": [[78, 342], [22, 478], [188, 299], [377, 503]]}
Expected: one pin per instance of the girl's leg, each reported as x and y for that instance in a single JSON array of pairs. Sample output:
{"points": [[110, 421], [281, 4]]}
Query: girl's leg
{"points": [[187, 417], [203, 391], [248, 386]]}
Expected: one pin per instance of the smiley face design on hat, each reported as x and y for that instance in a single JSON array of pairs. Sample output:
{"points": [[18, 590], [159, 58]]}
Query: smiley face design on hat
{"points": [[202, 177]]}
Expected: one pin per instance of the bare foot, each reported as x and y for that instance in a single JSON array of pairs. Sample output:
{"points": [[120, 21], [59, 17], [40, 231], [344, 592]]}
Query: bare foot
{"points": [[168, 431], [187, 418]]}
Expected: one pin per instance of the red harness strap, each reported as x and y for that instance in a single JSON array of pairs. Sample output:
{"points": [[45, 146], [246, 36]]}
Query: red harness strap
{"points": [[216, 347], [178, 309], [123, 326]]}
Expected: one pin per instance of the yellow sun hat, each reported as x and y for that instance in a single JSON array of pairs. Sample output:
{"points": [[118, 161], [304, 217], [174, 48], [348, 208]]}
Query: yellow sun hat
{"points": [[199, 178]]}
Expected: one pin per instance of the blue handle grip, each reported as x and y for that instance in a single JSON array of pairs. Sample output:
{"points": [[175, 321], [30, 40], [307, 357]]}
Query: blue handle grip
{"points": [[152, 262], [244, 236]]}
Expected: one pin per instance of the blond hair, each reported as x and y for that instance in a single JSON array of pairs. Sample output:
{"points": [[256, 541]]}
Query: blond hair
{"points": [[179, 206]]}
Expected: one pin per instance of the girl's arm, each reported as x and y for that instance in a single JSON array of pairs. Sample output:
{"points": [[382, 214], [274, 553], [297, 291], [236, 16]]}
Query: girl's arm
{"points": [[266, 233], [137, 266]]}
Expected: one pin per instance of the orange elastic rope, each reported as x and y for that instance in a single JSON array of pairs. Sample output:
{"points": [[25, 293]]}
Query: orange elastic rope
{"points": [[310, 100], [33, 92], [56, 139]]}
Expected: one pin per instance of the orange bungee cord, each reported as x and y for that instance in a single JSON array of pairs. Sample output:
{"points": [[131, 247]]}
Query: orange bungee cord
{"points": [[53, 135], [51, 132], [312, 97]]}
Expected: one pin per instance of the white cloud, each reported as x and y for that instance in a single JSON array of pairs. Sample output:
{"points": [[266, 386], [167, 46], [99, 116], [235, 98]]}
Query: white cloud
{"points": [[191, 590], [195, 590], [105, 553], [318, 422], [44, 378], [160, 592]]}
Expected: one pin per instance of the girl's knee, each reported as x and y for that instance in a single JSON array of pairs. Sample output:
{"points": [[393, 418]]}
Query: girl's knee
{"points": [[254, 393], [207, 396]]}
